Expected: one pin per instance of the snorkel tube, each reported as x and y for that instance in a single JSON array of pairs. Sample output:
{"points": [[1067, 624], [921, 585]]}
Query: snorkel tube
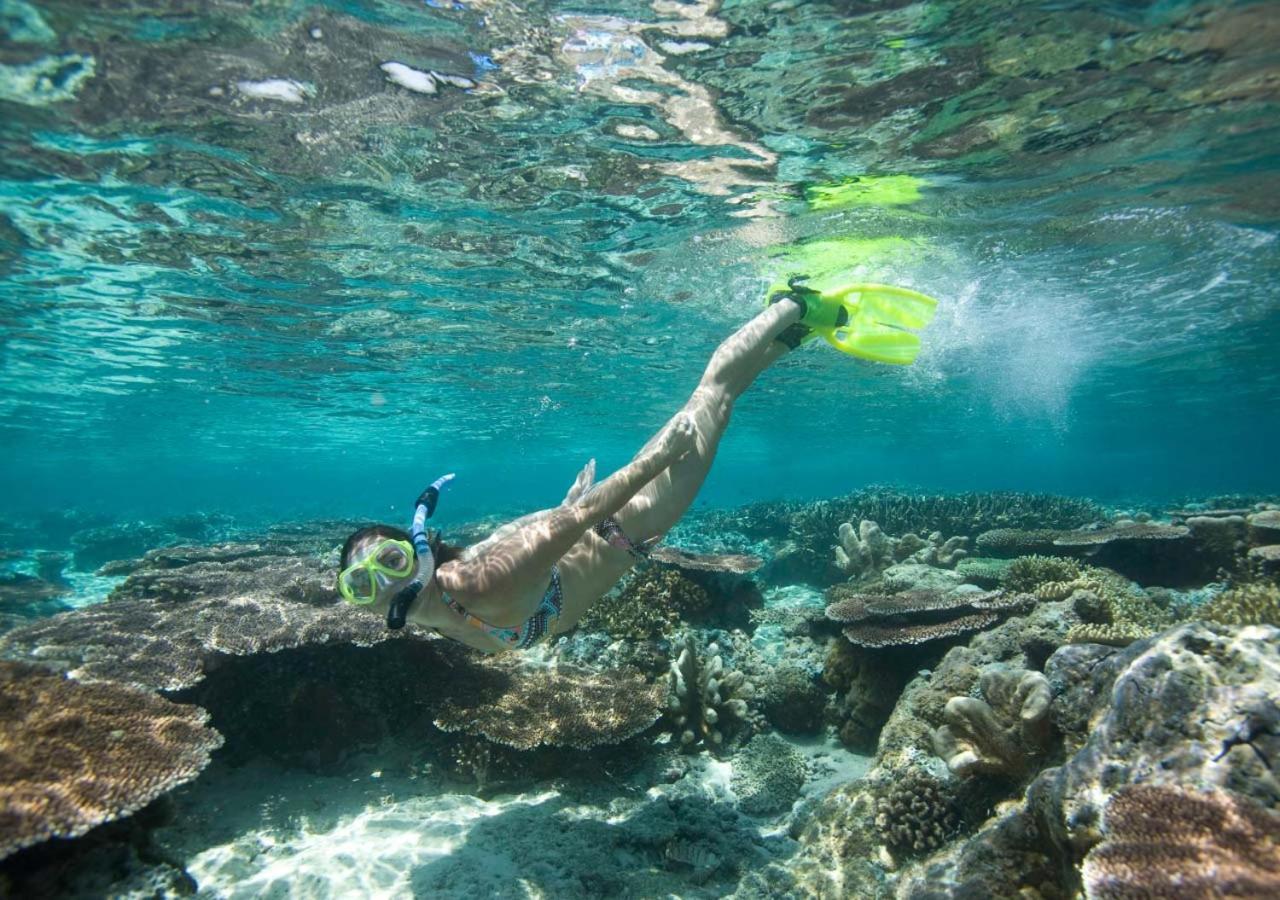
{"points": [[422, 510]]}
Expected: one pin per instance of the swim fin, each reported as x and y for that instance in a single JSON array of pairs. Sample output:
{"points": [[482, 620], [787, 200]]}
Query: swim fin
{"points": [[866, 320]]}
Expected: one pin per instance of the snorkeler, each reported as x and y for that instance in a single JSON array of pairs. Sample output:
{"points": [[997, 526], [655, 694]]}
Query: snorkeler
{"points": [[536, 576]]}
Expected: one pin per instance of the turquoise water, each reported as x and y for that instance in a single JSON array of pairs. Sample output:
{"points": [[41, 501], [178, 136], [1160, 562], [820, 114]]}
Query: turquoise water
{"points": [[311, 303]]}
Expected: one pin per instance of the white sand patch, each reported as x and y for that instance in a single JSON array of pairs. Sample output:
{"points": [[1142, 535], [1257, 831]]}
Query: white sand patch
{"points": [[409, 78], [285, 90], [260, 831]]}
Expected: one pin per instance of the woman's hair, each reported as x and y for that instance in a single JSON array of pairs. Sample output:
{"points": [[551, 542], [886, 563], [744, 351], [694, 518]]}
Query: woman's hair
{"points": [[380, 532], [443, 552]]}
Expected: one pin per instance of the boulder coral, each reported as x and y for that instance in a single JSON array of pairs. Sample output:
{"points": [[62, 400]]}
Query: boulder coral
{"points": [[767, 777]]}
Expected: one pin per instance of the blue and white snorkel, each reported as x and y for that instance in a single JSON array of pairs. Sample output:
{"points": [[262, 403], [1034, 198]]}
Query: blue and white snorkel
{"points": [[422, 510]]}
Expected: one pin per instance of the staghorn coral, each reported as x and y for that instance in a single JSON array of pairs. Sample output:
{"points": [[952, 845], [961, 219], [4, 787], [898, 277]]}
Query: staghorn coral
{"points": [[1028, 573], [1249, 604], [1004, 734], [869, 550], [707, 702], [1164, 841], [916, 813], [73, 755], [510, 702], [767, 775], [915, 617]]}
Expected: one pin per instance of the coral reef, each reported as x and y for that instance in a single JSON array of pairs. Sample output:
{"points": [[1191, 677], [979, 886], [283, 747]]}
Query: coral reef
{"points": [[1248, 604], [915, 617], [1195, 707], [1112, 609], [968, 514], [73, 755], [708, 703], [1164, 841], [868, 550], [1021, 642], [1002, 735], [768, 774], [524, 706], [916, 813]]}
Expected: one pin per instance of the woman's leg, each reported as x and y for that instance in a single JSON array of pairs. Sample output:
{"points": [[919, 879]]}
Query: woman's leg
{"points": [[732, 369]]}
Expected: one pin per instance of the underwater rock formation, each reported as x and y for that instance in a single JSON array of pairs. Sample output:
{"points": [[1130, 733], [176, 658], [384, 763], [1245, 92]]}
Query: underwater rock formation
{"points": [[1002, 734], [876, 621], [524, 706], [707, 704], [1170, 842], [768, 774], [869, 550], [73, 756]]}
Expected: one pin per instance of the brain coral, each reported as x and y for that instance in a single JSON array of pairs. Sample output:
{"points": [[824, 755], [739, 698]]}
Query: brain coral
{"points": [[74, 755]]}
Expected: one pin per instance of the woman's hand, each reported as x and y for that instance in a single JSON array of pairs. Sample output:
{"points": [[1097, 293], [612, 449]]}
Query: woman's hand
{"points": [[680, 437]]}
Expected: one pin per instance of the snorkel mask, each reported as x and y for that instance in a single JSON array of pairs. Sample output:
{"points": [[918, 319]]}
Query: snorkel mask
{"points": [[360, 582]]}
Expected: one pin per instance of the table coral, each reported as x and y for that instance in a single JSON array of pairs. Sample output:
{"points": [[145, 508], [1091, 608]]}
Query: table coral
{"points": [[915, 617], [74, 755]]}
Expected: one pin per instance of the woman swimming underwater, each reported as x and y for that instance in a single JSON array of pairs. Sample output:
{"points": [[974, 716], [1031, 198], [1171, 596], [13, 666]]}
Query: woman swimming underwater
{"points": [[536, 576]]}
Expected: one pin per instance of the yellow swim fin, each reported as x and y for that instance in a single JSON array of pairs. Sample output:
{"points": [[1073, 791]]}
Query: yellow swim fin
{"points": [[867, 320]]}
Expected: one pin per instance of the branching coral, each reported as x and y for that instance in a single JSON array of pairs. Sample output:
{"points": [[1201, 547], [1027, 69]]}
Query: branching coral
{"points": [[1113, 609], [916, 813], [647, 607], [1249, 604], [1168, 842], [915, 617], [869, 549], [525, 706], [1004, 733], [984, 571], [75, 755], [1028, 573], [707, 702]]}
